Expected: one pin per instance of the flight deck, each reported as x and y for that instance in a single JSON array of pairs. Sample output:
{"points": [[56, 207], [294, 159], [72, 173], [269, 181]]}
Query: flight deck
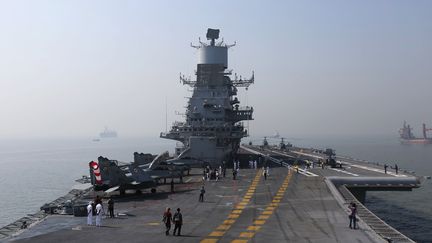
{"points": [[290, 206]]}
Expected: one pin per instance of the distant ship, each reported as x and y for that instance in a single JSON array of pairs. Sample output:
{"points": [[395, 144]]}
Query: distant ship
{"points": [[107, 133], [407, 137]]}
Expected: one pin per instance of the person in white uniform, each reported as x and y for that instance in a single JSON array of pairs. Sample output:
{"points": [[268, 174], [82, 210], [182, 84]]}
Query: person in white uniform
{"points": [[99, 215], [90, 214]]}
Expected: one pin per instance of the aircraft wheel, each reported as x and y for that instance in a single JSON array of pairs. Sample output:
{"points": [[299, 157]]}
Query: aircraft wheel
{"points": [[122, 192], [153, 190], [138, 192]]}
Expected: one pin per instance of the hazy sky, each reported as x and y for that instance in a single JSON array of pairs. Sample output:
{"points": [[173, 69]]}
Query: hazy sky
{"points": [[68, 68]]}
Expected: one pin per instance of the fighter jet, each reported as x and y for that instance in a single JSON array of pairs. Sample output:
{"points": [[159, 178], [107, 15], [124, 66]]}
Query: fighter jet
{"points": [[110, 175]]}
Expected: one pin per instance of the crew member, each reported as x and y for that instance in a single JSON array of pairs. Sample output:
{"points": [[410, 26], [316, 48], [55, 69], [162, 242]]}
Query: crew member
{"points": [[99, 213], [167, 218], [201, 196], [352, 217], [172, 185], [178, 221], [90, 214], [111, 207]]}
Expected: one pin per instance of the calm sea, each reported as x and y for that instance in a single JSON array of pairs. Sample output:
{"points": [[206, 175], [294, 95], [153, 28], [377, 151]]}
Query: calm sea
{"points": [[33, 172]]}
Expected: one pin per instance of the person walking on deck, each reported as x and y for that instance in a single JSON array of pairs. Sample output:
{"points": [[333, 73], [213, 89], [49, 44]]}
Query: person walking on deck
{"points": [[385, 168], [178, 221], [167, 219], [352, 217]]}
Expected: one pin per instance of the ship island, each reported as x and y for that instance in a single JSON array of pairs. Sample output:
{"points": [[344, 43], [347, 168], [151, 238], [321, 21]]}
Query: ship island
{"points": [[253, 192]]}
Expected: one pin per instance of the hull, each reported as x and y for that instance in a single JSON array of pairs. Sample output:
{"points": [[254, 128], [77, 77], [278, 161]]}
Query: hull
{"points": [[416, 141]]}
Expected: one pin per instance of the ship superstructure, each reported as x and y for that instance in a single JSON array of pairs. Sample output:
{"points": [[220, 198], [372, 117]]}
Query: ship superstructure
{"points": [[213, 127]]}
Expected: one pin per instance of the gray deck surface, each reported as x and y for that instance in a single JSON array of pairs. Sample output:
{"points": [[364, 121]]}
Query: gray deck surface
{"points": [[307, 212]]}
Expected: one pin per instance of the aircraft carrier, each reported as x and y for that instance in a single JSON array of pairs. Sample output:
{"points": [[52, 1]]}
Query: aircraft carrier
{"points": [[304, 198]]}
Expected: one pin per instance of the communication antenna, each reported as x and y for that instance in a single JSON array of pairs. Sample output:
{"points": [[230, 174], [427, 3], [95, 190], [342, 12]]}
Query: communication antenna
{"points": [[166, 114], [247, 105]]}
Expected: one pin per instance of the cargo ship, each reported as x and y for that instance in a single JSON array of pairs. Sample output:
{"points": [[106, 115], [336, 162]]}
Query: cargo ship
{"points": [[407, 137], [107, 133]]}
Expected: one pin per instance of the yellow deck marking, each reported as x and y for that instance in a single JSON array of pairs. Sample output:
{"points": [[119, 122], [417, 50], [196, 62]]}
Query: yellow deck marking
{"points": [[259, 222], [217, 233], [263, 216], [233, 216], [252, 228], [208, 240], [223, 227], [239, 241], [229, 221], [247, 234], [256, 226], [153, 223]]}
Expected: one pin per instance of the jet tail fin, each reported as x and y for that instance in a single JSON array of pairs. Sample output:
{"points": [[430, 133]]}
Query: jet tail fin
{"points": [[96, 176]]}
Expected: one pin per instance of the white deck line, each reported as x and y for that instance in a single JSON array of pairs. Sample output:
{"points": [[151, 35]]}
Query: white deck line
{"points": [[300, 171], [344, 171], [374, 170]]}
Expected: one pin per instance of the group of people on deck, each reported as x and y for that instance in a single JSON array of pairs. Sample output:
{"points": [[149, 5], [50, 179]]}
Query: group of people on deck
{"points": [[95, 208], [177, 219]]}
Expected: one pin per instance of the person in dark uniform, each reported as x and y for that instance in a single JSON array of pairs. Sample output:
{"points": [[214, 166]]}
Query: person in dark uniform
{"points": [[172, 185], [396, 169], [385, 168], [111, 207], [234, 174], [178, 221], [167, 218], [201, 196]]}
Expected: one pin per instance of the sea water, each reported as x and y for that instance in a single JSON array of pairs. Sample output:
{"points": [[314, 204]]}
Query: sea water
{"points": [[37, 171]]}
